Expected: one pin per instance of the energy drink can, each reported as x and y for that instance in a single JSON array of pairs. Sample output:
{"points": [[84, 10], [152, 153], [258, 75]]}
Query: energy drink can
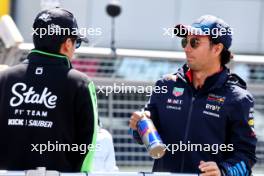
{"points": [[150, 137]]}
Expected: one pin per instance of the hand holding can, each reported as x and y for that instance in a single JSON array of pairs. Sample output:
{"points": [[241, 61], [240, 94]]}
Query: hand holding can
{"points": [[151, 138]]}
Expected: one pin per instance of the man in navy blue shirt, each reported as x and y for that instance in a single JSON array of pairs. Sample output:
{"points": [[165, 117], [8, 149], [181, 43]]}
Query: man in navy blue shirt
{"points": [[206, 117]]}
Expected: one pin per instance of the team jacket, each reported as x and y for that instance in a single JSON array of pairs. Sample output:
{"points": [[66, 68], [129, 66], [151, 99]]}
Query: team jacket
{"points": [[44, 104], [220, 114]]}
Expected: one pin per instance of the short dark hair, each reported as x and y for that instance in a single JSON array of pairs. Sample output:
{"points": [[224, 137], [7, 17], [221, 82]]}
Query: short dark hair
{"points": [[225, 56], [225, 53], [50, 44]]}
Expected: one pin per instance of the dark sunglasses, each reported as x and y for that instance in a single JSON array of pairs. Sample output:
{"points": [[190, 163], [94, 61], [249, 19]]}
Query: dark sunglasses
{"points": [[194, 42], [78, 43]]}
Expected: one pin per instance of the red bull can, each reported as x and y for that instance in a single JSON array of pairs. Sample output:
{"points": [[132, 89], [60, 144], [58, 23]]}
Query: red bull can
{"points": [[150, 137]]}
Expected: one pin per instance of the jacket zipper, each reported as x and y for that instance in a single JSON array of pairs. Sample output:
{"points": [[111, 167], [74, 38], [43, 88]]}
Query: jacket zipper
{"points": [[187, 131]]}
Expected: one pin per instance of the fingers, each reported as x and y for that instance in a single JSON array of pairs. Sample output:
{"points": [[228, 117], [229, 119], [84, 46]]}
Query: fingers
{"points": [[212, 173], [201, 163], [209, 168], [135, 117], [204, 164]]}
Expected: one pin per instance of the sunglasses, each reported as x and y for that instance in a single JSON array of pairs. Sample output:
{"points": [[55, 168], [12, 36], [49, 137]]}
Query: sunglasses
{"points": [[194, 42], [78, 43]]}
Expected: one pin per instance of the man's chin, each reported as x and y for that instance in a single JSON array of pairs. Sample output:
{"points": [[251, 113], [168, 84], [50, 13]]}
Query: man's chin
{"points": [[192, 66]]}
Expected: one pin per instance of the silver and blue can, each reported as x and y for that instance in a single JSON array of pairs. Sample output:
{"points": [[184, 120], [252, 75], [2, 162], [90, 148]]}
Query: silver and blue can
{"points": [[151, 138]]}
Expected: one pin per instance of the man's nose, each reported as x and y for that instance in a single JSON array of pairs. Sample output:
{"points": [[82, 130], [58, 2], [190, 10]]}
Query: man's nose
{"points": [[188, 47]]}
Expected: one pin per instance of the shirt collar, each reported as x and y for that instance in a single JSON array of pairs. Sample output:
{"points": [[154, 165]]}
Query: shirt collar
{"points": [[38, 56]]}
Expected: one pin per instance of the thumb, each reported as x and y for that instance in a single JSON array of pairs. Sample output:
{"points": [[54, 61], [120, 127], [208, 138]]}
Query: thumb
{"points": [[147, 114]]}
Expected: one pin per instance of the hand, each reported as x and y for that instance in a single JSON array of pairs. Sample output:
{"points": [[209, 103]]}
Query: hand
{"points": [[135, 117], [209, 168]]}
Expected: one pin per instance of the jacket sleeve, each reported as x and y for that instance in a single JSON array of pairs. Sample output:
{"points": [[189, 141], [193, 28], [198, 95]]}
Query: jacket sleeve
{"points": [[152, 107], [86, 124], [241, 134]]}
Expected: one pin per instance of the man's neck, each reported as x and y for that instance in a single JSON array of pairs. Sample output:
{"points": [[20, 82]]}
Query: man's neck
{"points": [[199, 77]]}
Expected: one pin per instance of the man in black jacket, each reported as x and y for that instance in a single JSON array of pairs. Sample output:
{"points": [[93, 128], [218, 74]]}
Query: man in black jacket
{"points": [[48, 111], [206, 117]]}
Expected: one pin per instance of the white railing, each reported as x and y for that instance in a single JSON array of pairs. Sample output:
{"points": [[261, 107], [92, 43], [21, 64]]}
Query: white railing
{"points": [[41, 171], [169, 55], [55, 173]]}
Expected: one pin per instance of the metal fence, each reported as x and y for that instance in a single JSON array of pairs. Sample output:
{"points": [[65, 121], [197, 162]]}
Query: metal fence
{"points": [[141, 68]]}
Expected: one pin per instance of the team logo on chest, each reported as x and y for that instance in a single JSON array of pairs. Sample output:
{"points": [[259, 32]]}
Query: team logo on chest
{"points": [[216, 99], [175, 103], [213, 105], [177, 91]]}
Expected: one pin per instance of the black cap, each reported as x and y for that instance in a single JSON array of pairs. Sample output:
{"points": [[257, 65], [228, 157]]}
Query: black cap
{"points": [[59, 23]]}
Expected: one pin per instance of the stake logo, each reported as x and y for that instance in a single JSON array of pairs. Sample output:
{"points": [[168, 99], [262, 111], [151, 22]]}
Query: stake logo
{"points": [[23, 94]]}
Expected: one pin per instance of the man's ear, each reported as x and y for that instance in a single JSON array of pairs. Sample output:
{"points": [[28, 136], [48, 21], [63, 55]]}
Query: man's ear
{"points": [[218, 48], [66, 46]]}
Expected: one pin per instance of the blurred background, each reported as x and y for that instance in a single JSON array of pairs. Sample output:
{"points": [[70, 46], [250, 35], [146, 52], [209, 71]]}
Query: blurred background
{"points": [[142, 51]]}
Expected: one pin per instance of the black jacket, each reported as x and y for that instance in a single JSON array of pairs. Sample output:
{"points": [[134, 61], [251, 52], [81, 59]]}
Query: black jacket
{"points": [[46, 103], [221, 112]]}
